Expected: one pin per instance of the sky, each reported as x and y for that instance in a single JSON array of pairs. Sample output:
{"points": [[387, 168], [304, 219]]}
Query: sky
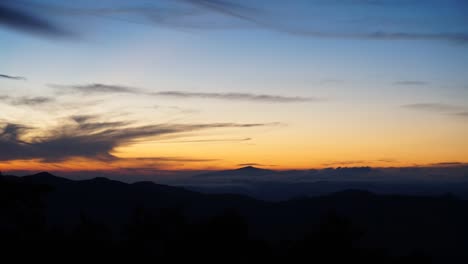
{"points": [[159, 86]]}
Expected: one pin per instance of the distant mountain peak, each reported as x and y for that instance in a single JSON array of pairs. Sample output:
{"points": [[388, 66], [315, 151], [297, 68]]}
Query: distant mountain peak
{"points": [[251, 168], [101, 180], [45, 178], [43, 174], [243, 171]]}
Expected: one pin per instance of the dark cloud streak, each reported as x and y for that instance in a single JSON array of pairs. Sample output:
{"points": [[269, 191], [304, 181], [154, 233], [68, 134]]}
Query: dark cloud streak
{"points": [[16, 18], [87, 138], [451, 163], [252, 15], [32, 101], [27, 100], [452, 110], [462, 114], [19, 19], [19, 78], [236, 96], [435, 107], [97, 88], [410, 83]]}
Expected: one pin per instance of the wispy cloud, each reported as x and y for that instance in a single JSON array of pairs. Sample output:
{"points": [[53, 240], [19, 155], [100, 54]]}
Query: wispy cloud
{"points": [[416, 83], [84, 137], [254, 16], [345, 163], [5, 76], [237, 96], [462, 114], [98, 88], [15, 17], [94, 88], [436, 107], [461, 37], [32, 101], [450, 163], [448, 109], [34, 20], [358, 162], [253, 164], [387, 160], [27, 100], [209, 140], [35, 17]]}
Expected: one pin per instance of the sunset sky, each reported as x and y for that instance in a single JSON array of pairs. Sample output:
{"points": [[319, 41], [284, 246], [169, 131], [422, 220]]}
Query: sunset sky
{"points": [[209, 84]]}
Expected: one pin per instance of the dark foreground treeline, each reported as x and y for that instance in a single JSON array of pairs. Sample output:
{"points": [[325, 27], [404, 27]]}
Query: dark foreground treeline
{"points": [[46, 218]]}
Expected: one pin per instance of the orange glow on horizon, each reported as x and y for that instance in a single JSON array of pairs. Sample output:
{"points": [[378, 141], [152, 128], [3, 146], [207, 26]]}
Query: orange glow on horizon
{"points": [[149, 166]]}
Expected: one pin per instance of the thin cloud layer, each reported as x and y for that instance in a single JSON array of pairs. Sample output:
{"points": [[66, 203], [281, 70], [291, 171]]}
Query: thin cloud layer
{"points": [[435, 107], [345, 163], [97, 88], [417, 83], [448, 163], [209, 140], [15, 17], [236, 96], [358, 162], [253, 164], [26, 100], [94, 88], [32, 101], [5, 76], [34, 20], [252, 15], [448, 109], [382, 35]]}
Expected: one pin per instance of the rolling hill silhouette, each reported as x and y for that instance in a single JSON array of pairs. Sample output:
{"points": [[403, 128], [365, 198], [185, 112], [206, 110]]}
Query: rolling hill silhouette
{"points": [[247, 171], [398, 225], [271, 185]]}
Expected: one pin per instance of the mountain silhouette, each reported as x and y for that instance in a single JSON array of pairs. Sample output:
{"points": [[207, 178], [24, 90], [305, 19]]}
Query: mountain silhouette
{"points": [[250, 169], [45, 178], [398, 223], [247, 171]]}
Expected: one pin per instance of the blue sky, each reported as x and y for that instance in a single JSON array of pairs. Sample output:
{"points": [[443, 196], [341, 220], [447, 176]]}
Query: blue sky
{"points": [[350, 80]]}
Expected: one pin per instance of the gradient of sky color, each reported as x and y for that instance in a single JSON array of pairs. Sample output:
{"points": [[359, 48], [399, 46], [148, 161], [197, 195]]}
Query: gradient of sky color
{"points": [[296, 84]]}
